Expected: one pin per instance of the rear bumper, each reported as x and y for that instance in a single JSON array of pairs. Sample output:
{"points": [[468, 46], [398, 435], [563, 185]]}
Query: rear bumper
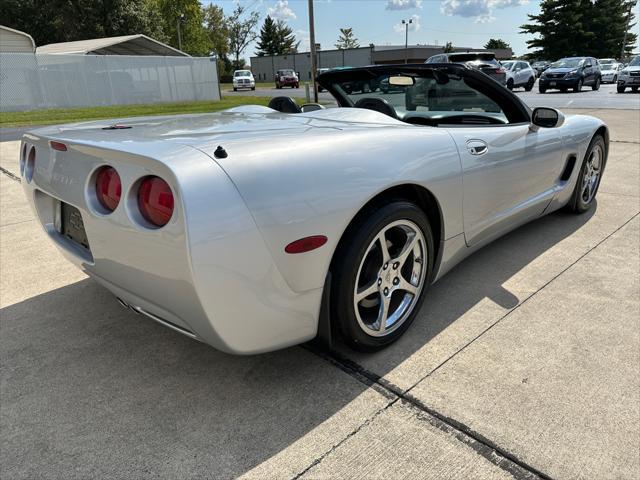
{"points": [[208, 272]]}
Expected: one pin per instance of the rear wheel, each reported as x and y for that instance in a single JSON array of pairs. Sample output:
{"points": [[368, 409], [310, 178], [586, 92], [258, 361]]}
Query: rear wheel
{"points": [[596, 86], [381, 275], [620, 89], [634, 89], [589, 178], [542, 89], [510, 84]]}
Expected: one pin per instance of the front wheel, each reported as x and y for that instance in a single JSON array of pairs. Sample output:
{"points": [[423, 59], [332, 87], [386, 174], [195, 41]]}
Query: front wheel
{"points": [[589, 178], [510, 84], [596, 86], [620, 89], [529, 86], [634, 89], [578, 86], [381, 274], [542, 89]]}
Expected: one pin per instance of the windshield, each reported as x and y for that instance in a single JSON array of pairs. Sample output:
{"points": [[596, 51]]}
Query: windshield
{"points": [[508, 65], [285, 72], [568, 63], [432, 97], [635, 62], [242, 73]]}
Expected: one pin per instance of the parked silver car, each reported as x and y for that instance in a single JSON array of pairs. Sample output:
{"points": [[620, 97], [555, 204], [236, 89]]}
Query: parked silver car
{"points": [[252, 229], [519, 74], [609, 72], [629, 76], [484, 61]]}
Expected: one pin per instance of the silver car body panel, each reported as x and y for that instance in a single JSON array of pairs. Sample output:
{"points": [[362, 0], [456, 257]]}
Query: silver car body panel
{"points": [[218, 269]]}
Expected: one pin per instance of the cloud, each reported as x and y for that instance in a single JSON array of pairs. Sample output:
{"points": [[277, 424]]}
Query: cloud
{"points": [[403, 4], [414, 26], [303, 37], [481, 10], [281, 11]]}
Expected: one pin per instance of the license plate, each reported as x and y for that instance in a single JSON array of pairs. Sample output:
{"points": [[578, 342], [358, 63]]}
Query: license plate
{"points": [[552, 84], [72, 226]]}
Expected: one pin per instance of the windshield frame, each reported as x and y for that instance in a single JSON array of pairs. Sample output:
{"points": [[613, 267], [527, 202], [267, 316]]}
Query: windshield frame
{"points": [[518, 111]]}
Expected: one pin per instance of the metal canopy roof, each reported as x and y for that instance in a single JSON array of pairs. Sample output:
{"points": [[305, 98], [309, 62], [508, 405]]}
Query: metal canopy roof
{"points": [[125, 45]]}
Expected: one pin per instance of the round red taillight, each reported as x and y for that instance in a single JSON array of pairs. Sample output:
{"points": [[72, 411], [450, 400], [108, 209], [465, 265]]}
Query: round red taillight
{"points": [[108, 188], [155, 201]]}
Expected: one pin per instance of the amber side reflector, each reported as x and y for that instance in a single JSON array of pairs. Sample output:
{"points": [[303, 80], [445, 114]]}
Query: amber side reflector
{"points": [[306, 244], [61, 147]]}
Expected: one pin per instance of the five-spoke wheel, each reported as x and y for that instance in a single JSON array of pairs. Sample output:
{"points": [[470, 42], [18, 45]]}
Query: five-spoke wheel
{"points": [[381, 273], [590, 175]]}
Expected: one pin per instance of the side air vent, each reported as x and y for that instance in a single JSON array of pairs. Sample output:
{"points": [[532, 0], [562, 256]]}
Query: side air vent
{"points": [[568, 168]]}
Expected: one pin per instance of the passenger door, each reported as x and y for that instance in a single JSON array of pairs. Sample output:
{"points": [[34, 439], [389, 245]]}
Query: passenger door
{"points": [[589, 69]]}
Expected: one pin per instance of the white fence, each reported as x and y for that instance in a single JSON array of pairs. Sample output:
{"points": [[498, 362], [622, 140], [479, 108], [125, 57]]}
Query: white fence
{"points": [[30, 82]]}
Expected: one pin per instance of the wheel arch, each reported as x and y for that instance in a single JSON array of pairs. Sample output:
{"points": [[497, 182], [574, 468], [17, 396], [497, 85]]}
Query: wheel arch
{"points": [[416, 194]]}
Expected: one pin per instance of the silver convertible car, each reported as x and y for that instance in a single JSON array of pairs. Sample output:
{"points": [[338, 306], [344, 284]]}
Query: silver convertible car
{"points": [[257, 228]]}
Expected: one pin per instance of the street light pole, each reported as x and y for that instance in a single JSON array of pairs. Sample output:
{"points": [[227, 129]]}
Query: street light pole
{"points": [[406, 39], [180, 19], [312, 41], [624, 40]]}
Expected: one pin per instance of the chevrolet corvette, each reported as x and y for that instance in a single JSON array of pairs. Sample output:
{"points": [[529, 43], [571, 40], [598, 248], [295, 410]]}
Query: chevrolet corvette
{"points": [[257, 228]]}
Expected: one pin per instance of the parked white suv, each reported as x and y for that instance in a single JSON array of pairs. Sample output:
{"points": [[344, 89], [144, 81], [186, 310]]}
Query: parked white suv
{"points": [[519, 74], [243, 79], [629, 76]]}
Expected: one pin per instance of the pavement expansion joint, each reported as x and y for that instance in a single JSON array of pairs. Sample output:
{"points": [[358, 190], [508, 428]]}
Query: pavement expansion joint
{"points": [[9, 174]]}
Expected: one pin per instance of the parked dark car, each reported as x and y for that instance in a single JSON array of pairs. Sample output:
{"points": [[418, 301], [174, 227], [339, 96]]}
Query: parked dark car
{"points": [[287, 78], [484, 61], [540, 66], [572, 72]]}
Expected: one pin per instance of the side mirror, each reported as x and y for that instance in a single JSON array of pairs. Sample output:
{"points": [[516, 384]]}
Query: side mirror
{"points": [[546, 117]]}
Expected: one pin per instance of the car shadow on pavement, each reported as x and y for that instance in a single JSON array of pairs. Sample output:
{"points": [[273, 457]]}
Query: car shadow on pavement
{"points": [[91, 389]]}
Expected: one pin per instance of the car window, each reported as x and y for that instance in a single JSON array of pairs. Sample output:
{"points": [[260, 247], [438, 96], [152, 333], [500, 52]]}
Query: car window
{"points": [[568, 63]]}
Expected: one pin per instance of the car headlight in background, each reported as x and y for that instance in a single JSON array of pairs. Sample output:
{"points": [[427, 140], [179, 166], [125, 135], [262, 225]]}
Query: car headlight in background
{"points": [[573, 73]]}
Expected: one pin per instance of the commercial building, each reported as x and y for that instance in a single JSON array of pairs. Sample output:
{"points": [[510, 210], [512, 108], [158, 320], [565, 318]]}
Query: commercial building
{"points": [[264, 68]]}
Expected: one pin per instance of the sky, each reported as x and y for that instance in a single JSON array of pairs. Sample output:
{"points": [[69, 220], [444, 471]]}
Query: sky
{"points": [[465, 23]]}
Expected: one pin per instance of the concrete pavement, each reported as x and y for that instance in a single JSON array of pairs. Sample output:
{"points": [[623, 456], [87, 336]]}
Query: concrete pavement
{"points": [[523, 363]]}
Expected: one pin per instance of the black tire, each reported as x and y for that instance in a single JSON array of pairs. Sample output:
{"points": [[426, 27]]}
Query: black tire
{"points": [[542, 89], [253, 88], [620, 89], [235, 89], [529, 86], [577, 203], [510, 84], [615, 79], [634, 89], [578, 86], [346, 265], [596, 86]]}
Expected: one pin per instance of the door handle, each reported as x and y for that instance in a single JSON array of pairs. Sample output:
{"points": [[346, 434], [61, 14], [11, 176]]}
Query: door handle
{"points": [[477, 147]]}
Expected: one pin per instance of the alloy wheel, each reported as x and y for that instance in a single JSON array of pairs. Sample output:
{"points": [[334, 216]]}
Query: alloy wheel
{"points": [[592, 172], [390, 278]]}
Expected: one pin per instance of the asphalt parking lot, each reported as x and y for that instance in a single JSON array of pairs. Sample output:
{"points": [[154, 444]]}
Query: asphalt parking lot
{"points": [[524, 362], [607, 97]]}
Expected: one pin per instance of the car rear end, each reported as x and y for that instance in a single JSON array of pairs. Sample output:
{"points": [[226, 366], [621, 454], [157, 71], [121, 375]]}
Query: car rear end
{"points": [[485, 62], [160, 224]]}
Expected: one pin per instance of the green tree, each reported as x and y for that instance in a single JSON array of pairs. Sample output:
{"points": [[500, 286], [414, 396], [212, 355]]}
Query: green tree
{"points": [[496, 43], [346, 39], [216, 26], [575, 27], [52, 21], [242, 31], [194, 37], [276, 38]]}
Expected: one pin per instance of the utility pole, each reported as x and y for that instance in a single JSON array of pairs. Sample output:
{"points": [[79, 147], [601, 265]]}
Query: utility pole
{"points": [[406, 39], [180, 20], [624, 39], [312, 40]]}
